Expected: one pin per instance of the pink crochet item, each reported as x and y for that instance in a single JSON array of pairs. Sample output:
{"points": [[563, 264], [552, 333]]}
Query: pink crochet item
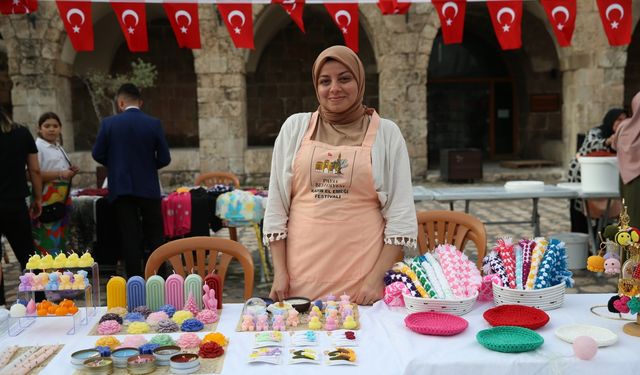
{"points": [[461, 273], [485, 293], [504, 247], [436, 324], [188, 341], [393, 294], [109, 327], [207, 316]]}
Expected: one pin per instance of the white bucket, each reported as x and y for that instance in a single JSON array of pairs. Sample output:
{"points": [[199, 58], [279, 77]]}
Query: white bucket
{"points": [[577, 245], [599, 174]]}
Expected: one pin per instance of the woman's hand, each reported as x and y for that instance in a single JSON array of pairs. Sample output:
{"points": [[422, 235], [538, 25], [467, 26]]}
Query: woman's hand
{"points": [[35, 209], [280, 286], [75, 169], [371, 290]]}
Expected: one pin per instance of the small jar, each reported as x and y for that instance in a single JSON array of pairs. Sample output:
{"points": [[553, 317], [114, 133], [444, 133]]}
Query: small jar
{"points": [[78, 358], [163, 354], [121, 355], [185, 363], [141, 364], [99, 365]]}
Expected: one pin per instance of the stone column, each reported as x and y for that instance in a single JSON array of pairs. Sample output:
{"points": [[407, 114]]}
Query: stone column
{"points": [[222, 107]]}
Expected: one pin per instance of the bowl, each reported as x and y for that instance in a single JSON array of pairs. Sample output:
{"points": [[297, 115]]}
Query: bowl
{"points": [[185, 362], [163, 354], [78, 358], [301, 304], [120, 356]]}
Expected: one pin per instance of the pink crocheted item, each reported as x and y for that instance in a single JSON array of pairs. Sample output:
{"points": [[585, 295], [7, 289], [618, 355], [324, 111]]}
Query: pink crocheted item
{"points": [[504, 247], [461, 273], [485, 293], [188, 340], [393, 294], [436, 324], [109, 327]]}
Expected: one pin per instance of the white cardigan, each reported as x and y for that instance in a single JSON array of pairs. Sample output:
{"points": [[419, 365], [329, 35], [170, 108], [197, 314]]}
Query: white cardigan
{"points": [[391, 173]]}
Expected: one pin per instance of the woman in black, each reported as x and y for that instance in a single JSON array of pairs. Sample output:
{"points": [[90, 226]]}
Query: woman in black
{"points": [[17, 150]]}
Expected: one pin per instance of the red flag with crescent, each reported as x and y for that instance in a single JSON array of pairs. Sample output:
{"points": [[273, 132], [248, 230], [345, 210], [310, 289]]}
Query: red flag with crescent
{"points": [[562, 15], [616, 20], [185, 23], [506, 17], [345, 16], [18, 6], [294, 9], [389, 7], [133, 22], [451, 14], [76, 17], [239, 21]]}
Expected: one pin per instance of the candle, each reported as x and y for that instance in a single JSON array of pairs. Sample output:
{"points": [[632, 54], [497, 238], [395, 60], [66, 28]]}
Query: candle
{"points": [[214, 282], [193, 285], [331, 297], [174, 291], [116, 292], [136, 292], [155, 292]]}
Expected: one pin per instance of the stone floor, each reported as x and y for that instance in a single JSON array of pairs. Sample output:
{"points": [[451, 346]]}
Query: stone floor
{"points": [[554, 219]]}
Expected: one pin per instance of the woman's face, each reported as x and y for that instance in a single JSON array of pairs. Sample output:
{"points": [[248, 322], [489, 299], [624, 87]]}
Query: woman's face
{"points": [[617, 122], [50, 130], [337, 87]]}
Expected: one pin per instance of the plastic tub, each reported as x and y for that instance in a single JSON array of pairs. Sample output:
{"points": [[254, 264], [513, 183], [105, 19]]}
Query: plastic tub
{"points": [[599, 174], [577, 245]]}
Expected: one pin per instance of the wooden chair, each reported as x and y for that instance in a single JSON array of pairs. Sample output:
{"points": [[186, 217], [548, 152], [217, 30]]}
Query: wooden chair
{"points": [[210, 179], [204, 255], [440, 226]]}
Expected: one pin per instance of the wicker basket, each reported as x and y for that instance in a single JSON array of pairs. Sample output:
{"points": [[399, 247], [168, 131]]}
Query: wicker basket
{"points": [[450, 306], [543, 299]]}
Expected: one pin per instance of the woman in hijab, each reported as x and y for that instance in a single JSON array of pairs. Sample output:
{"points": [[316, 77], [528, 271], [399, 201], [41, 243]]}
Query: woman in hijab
{"points": [[627, 143], [340, 206], [597, 139]]}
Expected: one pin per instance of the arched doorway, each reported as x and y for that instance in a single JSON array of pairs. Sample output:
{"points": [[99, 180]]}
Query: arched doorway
{"points": [[280, 85]]}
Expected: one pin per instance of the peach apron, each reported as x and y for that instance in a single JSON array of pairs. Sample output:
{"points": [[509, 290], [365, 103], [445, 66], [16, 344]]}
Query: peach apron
{"points": [[335, 225]]}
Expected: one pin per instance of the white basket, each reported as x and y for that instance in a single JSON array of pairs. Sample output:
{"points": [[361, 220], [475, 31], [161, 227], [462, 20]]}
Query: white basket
{"points": [[450, 306], [544, 299]]}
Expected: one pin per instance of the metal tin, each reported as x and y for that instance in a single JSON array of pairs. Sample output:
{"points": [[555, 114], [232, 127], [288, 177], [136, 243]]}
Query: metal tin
{"points": [[78, 358], [163, 354], [121, 355], [141, 364], [98, 365], [185, 361]]}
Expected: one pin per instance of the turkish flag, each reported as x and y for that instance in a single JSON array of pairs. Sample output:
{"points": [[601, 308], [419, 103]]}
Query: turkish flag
{"points": [[76, 17], [18, 6], [562, 15], [451, 14], [239, 21], [294, 10], [345, 16], [185, 23], [388, 7], [133, 22], [616, 20], [506, 17]]}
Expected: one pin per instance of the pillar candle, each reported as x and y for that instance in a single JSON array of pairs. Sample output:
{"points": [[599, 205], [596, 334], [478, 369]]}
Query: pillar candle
{"points": [[116, 292], [214, 282], [136, 292], [174, 291], [155, 292], [193, 284]]}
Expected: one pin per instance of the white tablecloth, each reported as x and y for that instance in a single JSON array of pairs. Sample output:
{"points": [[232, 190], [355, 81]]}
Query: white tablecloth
{"points": [[387, 347]]}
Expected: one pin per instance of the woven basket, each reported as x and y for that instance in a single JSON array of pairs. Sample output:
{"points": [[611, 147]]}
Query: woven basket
{"points": [[543, 299], [450, 306], [509, 339], [436, 324]]}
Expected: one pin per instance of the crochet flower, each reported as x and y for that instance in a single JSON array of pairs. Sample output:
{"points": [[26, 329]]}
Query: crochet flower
{"points": [[191, 325], [109, 327], [634, 305], [181, 316], [109, 341], [163, 340], [188, 340], [216, 337], [167, 326], [210, 350]]}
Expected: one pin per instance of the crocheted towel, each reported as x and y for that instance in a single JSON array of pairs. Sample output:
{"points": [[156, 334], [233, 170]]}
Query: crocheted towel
{"points": [[461, 273], [504, 247], [431, 275], [553, 268], [536, 258], [391, 277], [436, 276], [497, 267], [527, 249], [416, 266], [508, 339], [403, 268], [518, 252]]}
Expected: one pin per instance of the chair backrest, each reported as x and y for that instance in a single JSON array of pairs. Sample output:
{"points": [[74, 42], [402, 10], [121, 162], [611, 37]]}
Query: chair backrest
{"points": [[210, 179], [453, 227], [204, 255]]}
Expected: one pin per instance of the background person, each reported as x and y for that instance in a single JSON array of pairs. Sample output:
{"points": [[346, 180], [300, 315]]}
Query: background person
{"points": [[627, 143]]}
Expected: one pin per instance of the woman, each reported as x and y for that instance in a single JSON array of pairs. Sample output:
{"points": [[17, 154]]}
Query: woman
{"points": [[627, 143], [340, 206], [17, 150], [57, 172], [599, 138]]}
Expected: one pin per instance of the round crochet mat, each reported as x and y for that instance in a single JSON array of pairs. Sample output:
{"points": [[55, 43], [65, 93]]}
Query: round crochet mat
{"points": [[516, 315], [602, 336], [509, 339], [436, 324]]}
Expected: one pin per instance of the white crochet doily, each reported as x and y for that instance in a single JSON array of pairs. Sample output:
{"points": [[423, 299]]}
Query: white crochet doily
{"points": [[603, 336]]}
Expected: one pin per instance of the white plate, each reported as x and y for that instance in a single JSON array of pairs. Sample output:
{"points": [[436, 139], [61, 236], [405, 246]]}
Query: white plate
{"points": [[524, 185], [603, 336]]}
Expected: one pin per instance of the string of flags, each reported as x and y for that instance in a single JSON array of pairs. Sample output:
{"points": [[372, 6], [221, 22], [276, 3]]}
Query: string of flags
{"points": [[506, 17]]}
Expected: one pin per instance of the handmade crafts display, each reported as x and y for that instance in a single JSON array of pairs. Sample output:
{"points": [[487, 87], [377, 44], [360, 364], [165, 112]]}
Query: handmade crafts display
{"points": [[54, 281], [445, 274], [47, 262], [22, 360], [327, 315]]}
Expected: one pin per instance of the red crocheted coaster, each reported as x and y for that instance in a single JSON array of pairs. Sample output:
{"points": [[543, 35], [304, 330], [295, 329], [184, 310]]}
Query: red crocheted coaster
{"points": [[516, 315], [437, 324]]}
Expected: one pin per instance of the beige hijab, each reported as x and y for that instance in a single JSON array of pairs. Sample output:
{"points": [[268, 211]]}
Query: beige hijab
{"points": [[628, 143], [348, 127]]}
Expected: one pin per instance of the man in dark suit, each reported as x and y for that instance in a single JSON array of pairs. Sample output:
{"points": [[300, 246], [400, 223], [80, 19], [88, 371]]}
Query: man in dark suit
{"points": [[133, 147]]}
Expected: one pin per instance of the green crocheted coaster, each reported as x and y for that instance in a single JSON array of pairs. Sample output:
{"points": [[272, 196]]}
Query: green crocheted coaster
{"points": [[509, 339]]}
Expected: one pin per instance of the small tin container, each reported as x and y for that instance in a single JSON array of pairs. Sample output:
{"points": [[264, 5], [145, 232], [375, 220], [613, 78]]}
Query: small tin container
{"points": [[121, 355], [98, 365], [185, 363], [141, 364], [78, 358], [163, 354]]}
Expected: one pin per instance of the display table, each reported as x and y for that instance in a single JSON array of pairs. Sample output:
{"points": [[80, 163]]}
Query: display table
{"points": [[387, 347]]}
